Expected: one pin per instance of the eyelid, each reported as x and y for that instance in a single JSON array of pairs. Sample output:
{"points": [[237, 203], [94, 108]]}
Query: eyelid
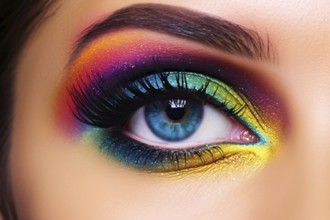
{"points": [[142, 49], [105, 57], [140, 43]]}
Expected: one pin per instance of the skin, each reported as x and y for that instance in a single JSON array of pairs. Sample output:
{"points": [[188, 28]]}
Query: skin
{"points": [[54, 177]]}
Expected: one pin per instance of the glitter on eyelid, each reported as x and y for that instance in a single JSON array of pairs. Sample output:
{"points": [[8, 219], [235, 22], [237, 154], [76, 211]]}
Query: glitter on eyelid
{"points": [[123, 54]]}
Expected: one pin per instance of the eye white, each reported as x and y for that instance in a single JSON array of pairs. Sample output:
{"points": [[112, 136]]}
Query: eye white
{"points": [[216, 127]]}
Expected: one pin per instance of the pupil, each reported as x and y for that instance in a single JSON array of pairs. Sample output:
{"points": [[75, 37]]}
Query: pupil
{"points": [[174, 119], [175, 109]]}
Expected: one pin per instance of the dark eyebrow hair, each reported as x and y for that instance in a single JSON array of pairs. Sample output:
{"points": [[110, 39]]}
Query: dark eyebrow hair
{"points": [[181, 22]]}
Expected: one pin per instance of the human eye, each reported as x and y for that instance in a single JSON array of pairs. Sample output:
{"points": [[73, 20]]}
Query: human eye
{"points": [[162, 107]]}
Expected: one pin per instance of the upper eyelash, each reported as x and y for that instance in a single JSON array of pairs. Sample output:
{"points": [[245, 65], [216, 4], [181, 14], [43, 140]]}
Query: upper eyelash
{"points": [[97, 104]]}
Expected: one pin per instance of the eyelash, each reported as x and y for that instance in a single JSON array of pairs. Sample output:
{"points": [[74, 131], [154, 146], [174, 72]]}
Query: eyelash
{"points": [[112, 102], [107, 107]]}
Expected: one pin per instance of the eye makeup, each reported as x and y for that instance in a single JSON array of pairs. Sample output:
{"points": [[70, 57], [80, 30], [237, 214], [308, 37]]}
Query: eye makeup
{"points": [[120, 72]]}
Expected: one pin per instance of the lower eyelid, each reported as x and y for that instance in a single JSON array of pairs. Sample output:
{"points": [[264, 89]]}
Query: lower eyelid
{"points": [[223, 159]]}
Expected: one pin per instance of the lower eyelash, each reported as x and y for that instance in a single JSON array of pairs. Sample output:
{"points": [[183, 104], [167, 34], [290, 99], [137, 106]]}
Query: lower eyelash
{"points": [[141, 156], [153, 159]]}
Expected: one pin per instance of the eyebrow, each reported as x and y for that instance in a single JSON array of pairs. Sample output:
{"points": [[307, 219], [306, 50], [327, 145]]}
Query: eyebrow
{"points": [[184, 23]]}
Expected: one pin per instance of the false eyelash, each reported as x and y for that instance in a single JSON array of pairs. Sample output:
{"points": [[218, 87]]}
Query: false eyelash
{"points": [[105, 105], [141, 156]]}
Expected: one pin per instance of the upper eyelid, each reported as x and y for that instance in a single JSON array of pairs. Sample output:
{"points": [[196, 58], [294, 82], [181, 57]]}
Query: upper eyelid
{"points": [[177, 21]]}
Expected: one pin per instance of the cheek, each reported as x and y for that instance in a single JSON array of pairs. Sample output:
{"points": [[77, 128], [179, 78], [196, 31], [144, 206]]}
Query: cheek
{"points": [[65, 180], [62, 178], [56, 177]]}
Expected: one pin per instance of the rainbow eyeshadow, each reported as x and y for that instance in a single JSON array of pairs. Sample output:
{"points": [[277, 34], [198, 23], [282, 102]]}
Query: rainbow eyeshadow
{"points": [[118, 73]]}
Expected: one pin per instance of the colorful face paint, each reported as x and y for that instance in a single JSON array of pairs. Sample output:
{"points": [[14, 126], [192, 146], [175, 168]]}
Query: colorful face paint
{"points": [[118, 73]]}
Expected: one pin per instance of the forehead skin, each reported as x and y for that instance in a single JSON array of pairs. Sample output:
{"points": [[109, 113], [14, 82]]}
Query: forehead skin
{"points": [[55, 178]]}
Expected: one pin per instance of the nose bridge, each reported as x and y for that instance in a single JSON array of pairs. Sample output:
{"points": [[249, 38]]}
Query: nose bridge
{"points": [[313, 181], [312, 152]]}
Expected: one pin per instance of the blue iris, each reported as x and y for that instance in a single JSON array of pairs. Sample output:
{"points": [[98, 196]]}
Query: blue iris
{"points": [[174, 119]]}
